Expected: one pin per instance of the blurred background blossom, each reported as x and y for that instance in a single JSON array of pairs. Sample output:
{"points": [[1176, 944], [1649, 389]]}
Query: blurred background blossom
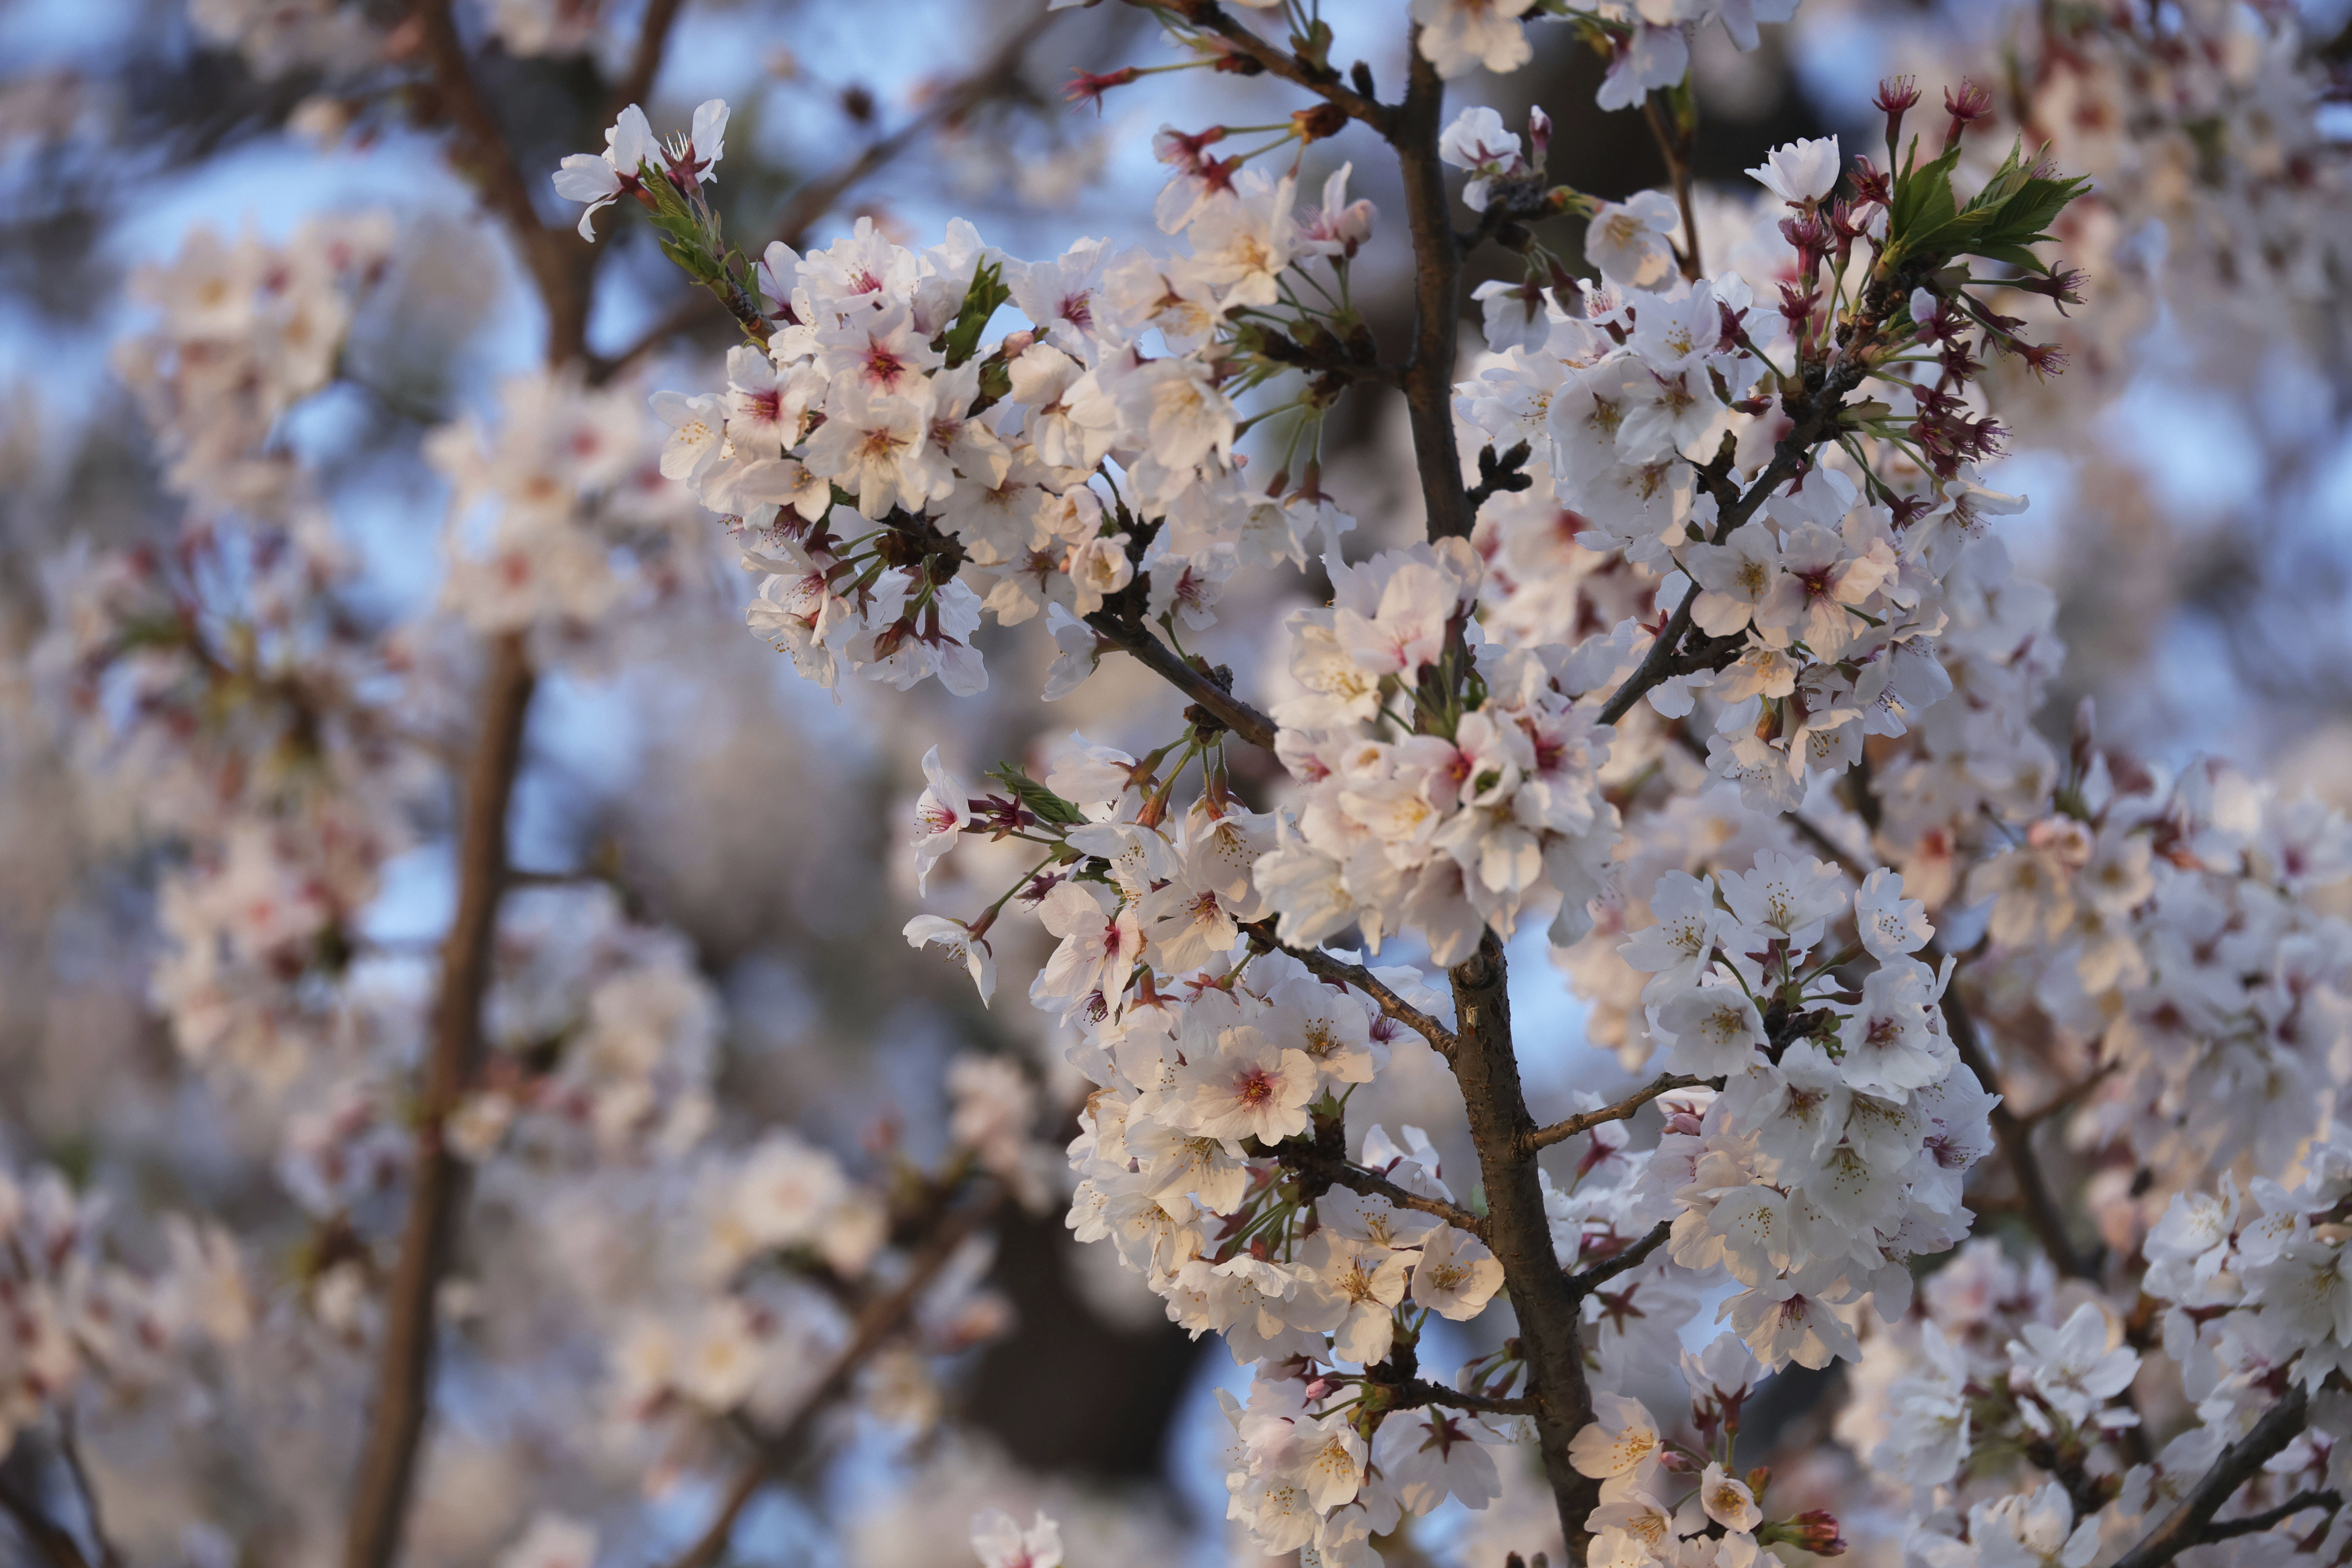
{"points": [[274, 392]]}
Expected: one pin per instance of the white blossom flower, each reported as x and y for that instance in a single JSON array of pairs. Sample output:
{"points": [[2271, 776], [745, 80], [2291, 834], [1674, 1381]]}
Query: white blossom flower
{"points": [[1800, 172], [1458, 36], [1003, 1543], [1455, 1275]]}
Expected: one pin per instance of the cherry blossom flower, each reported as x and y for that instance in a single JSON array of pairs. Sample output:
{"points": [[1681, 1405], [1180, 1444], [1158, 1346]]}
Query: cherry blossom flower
{"points": [[1458, 36], [1455, 1275], [1801, 172], [1003, 1543], [1252, 1086]]}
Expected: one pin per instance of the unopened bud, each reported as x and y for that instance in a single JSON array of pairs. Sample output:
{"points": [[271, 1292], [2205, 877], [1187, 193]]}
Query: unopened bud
{"points": [[1325, 119], [1814, 1531]]}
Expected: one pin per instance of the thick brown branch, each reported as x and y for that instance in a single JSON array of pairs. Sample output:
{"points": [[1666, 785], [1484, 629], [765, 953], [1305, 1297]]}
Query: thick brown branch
{"points": [[1560, 1131], [1428, 376], [46, 1536], [1323, 966], [404, 1373], [1519, 1231], [882, 1318], [1136, 639], [557, 258], [2191, 1524], [645, 64]]}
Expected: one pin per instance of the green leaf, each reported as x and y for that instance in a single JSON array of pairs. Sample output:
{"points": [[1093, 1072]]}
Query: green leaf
{"points": [[1043, 803], [2013, 212], [1923, 198], [988, 292]]}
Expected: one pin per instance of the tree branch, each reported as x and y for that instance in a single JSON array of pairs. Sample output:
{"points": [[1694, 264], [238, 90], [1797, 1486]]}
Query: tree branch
{"points": [[1136, 639], [1428, 377], [557, 258], [1793, 452], [2229, 1529], [2012, 1134], [1675, 145], [1420, 1392], [1624, 1262], [1210, 17], [882, 1318], [69, 1451], [44, 1535], [1323, 966], [1311, 1161], [1518, 1230], [2191, 1524], [381, 1491], [1585, 1122], [2014, 1138], [645, 64]]}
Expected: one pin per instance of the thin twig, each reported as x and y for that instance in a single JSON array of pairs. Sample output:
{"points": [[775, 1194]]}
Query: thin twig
{"points": [[1675, 149], [1585, 1122], [1337, 1173], [882, 1318], [1136, 639], [2229, 1529], [2191, 1524], [1323, 966], [2013, 1137], [2072, 1095], [1793, 452], [815, 198], [1633, 1258], [1210, 17], [1420, 1392]]}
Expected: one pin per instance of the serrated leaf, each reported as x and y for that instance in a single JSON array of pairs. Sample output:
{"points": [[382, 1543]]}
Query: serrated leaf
{"points": [[2016, 256], [1043, 803]]}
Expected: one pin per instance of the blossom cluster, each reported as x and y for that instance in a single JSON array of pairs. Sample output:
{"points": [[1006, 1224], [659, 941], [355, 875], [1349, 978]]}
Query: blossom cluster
{"points": [[1646, 44], [247, 329], [1838, 1149], [1411, 815], [73, 1318], [757, 1290], [560, 517], [249, 710], [896, 480], [1721, 1522]]}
